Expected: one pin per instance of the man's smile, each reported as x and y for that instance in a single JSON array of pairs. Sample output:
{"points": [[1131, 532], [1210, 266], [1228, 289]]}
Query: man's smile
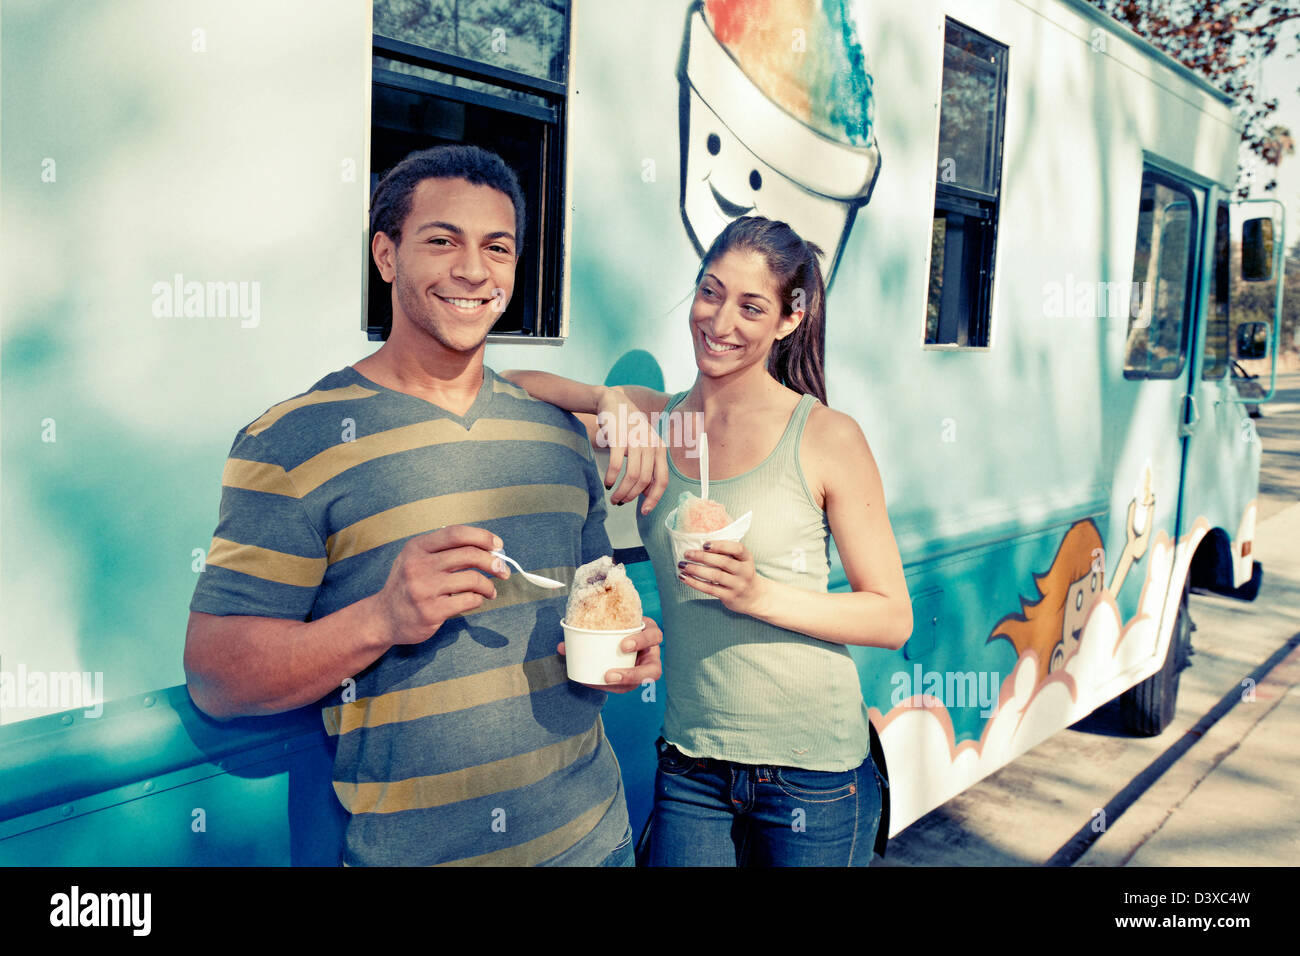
{"points": [[463, 304]]}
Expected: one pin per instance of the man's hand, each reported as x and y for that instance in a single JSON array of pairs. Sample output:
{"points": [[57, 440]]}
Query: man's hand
{"points": [[629, 435], [435, 577], [646, 644]]}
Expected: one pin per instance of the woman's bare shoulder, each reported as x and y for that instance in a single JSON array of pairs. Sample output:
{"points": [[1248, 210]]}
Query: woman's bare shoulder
{"points": [[835, 455], [830, 430]]}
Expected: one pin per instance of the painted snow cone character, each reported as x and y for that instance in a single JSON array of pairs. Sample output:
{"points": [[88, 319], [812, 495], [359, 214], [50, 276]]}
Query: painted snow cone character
{"points": [[776, 119]]}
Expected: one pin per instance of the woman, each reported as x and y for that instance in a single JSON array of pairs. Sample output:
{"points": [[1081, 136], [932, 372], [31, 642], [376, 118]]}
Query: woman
{"points": [[764, 758]]}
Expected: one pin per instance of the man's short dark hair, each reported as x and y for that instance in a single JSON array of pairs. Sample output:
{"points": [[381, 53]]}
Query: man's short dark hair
{"points": [[391, 203]]}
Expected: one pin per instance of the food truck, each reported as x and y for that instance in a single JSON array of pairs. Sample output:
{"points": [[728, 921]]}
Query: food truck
{"points": [[1029, 233]]}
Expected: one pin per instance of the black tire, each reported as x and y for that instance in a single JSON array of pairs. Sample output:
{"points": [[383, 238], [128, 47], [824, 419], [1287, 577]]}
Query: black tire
{"points": [[1148, 708], [1250, 590]]}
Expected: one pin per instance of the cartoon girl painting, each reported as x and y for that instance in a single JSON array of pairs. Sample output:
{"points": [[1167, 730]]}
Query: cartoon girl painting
{"points": [[1052, 625]]}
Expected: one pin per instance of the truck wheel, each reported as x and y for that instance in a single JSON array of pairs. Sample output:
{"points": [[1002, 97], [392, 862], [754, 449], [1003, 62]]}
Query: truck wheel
{"points": [[1250, 590], [1148, 708]]}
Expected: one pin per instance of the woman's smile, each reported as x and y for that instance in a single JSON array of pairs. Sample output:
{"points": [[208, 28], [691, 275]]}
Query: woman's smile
{"points": [[715, 346]]}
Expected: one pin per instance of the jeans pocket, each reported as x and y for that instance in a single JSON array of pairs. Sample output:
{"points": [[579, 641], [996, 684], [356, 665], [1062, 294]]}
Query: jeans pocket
{"points": [[815, 786], [672, 761]]}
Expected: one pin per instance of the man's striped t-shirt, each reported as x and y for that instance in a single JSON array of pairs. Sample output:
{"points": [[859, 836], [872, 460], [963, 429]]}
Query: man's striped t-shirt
{"points": [[471, 747]]}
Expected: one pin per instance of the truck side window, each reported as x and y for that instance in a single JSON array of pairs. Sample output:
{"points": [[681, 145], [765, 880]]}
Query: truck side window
{"points": [[1163, 271], [967, 188], [494, 75]]}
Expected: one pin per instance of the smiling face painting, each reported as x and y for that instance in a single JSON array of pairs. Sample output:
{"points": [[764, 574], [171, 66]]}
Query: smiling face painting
{"points": [[776, 119]]}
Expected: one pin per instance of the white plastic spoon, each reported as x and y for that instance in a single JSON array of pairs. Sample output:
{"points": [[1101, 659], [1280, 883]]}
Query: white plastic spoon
{"points": [[528, 576], [704, 466]]}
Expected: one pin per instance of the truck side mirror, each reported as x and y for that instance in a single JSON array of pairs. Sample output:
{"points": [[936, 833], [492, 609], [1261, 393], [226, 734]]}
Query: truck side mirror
{"points": [[1252, 340], [1257, 250]]}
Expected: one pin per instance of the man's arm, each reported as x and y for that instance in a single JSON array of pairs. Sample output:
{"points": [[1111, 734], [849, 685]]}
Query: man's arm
{"points": [[240, 665]]}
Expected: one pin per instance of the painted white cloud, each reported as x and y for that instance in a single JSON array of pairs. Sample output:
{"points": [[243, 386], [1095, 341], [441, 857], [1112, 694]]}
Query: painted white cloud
{"points": [[926, 769]]}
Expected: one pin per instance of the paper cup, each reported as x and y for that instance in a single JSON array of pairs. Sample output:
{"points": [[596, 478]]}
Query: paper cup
{"points": [[589, 655], [684, 541]]}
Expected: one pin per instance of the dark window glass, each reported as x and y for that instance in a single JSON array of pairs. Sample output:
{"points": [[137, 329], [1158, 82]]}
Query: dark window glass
{"points": [[1216, 322], [459, 82], [523, 35], [969, 109], [1163, 263], [969, 171]]}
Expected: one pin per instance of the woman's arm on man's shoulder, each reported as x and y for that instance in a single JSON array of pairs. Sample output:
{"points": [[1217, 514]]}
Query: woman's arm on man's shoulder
{"points": [[580, 398], [618, 418]]}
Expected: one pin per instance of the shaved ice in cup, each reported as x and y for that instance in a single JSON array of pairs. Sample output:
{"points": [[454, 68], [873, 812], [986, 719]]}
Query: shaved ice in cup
{"points": [[697, 520], [700, 515], [603, 609]]}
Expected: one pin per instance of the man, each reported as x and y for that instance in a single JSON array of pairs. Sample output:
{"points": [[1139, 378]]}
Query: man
{"points": [[355, 521]]}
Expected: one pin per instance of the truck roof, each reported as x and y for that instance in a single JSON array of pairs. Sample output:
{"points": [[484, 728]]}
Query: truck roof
{"points": [[1146, 46]]}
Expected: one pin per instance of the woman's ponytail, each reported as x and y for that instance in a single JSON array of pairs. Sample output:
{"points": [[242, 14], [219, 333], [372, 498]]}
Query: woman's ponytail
{"points": [[798, 361]]}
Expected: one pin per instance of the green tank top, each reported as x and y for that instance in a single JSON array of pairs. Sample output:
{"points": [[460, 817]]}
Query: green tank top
{"points": [[736, 687]]}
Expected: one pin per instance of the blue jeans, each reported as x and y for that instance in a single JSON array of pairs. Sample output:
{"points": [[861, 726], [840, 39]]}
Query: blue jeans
{"points": [[719, 813], [623, 854]]}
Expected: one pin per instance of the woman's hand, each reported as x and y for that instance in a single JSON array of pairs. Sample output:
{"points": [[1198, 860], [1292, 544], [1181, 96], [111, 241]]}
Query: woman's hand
{"points": [[725, 569], [626, 432]]}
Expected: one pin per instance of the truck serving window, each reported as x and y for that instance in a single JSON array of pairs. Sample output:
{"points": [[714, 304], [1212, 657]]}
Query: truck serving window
{"points": [[492, 75], [969, 177], [1163, 271]]}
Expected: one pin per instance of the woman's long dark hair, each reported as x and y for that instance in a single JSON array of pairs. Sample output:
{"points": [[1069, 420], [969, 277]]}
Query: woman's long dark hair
{"points": [[797, 361]]}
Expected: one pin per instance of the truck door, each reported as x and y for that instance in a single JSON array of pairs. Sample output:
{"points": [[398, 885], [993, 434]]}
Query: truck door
{"points": [[1221, 461], [1161, 337]]}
